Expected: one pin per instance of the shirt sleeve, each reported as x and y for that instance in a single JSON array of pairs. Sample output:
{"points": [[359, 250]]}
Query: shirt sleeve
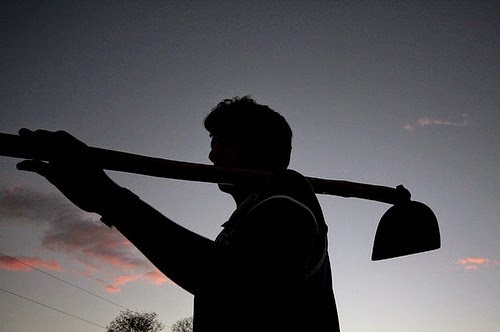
{"points": [[182, 255]]}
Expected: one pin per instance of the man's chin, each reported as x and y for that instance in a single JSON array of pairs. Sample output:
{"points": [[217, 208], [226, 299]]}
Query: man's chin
{"points": [[227, 187]]}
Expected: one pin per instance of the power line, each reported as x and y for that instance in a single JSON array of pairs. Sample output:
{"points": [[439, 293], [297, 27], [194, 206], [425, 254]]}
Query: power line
{"points": [[66, 282], [55, 309]]}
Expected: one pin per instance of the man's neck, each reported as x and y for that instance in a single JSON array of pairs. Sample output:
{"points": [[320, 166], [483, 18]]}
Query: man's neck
{"points": [[239, 193]]}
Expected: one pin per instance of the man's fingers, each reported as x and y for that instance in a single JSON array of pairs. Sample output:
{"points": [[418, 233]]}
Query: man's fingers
{"points": [[39, 133], [36, 166], [41, 136], [53, 144]]}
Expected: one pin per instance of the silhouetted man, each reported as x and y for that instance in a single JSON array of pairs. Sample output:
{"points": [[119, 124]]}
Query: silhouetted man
{"points": [[268, 270]]}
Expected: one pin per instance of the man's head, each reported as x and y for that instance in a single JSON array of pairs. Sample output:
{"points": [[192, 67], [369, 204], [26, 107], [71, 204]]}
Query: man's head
{"points": [[248, 135]]}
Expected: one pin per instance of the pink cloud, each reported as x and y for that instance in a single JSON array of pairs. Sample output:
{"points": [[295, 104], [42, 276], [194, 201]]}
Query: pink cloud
{"points": [[90, 241], [99, 252], [25, 264], [112, 289], [476, 263], [154, 277], [409, 127], [426, 121], [122, 280], [429, 121]]}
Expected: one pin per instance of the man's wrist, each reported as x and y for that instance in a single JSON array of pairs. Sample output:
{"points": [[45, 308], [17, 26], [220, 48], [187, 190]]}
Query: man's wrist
{"points": [[116, 204]]}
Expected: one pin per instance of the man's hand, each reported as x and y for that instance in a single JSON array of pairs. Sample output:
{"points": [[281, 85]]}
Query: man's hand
{"points": [[70, 169]]}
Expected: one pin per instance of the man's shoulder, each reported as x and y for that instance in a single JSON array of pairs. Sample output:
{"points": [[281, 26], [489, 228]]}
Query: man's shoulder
{"points": [[282, 205], [284, 214], [287, 192]]}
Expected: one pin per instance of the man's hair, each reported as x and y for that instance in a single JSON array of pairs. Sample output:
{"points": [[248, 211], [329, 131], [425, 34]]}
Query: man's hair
{"points": [[257, 127]]}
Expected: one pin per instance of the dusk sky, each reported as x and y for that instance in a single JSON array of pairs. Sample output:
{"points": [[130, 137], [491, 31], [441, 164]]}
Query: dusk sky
{"points": [[381, 92]]}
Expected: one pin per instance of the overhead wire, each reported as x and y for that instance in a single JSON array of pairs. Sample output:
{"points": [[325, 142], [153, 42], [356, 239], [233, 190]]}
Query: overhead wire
{"points": [[50, 307], [66, 282]]}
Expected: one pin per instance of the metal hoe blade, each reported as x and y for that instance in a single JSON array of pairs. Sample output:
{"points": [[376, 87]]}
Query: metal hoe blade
{"points": [[406, 228]]}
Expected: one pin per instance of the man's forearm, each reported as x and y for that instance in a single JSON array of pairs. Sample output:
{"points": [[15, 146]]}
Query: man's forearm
{"points": [[179, 253]]}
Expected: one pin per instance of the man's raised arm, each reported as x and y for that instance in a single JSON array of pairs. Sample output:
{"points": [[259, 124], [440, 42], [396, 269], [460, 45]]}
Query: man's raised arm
{"points": [[180, 254]]}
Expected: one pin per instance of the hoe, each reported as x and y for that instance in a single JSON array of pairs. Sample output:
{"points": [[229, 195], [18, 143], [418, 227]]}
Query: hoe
{"points": [[408, 227]]}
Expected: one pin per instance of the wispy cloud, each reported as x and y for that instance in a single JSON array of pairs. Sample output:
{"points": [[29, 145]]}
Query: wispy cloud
{"points": [[154, 277], [477, 263], [430, 121], [26, 264], [100, 253]]}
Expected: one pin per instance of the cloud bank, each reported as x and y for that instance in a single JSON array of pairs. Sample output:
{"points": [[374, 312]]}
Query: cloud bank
{"points": [[97, 251]]}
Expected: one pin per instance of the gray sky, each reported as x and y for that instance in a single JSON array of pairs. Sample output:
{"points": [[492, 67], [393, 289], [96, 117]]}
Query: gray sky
{"points": [[398, 92]]}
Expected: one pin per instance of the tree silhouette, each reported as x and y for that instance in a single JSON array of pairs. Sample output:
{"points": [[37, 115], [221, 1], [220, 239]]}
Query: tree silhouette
{"points": [[133, 321], [183, 325]]}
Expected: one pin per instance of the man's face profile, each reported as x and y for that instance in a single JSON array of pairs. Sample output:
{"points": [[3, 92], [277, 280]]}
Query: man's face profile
{"points": [[248, 135], [228, 152]]}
